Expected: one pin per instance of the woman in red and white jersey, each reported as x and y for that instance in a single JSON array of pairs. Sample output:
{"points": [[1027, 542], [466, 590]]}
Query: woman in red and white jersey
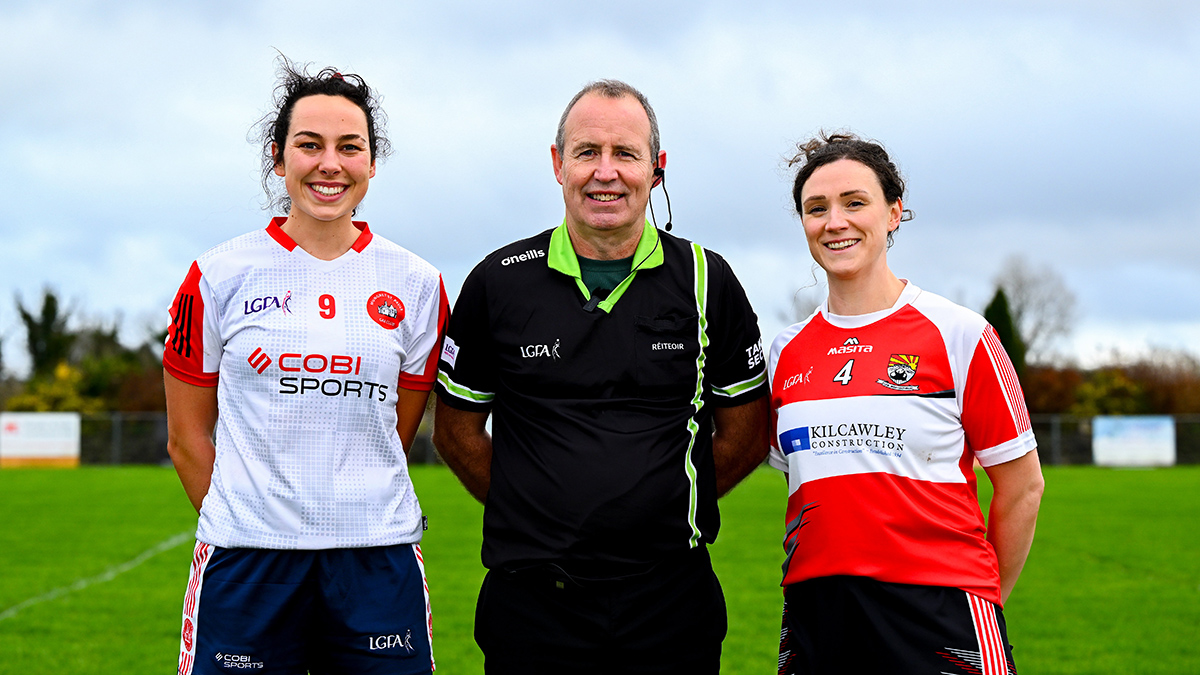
{"points": [[297, 366], [882, 402]]}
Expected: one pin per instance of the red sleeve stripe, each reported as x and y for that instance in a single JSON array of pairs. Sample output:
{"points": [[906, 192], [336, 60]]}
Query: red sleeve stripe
{"points": [[1008, 380], [424, 381]]}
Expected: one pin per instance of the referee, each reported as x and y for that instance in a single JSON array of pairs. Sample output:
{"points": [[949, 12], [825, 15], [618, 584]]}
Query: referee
{"points": [[624, 373]]}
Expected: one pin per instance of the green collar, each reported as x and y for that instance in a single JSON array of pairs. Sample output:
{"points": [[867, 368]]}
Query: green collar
{"points": [[562, 258]]}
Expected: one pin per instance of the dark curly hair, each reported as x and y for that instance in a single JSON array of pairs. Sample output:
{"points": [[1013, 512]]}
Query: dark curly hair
{"points": [[828, 148], [294, 83]]}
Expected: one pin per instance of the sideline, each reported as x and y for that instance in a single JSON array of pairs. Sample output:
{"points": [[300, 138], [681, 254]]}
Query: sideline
{"points": [[107, 575]]}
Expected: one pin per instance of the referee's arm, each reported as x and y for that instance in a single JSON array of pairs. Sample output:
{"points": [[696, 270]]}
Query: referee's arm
{"points": [[740, 441], [461, 438]]}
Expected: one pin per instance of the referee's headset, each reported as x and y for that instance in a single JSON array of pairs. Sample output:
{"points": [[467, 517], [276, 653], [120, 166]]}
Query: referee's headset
{"points": [[660, 178]]}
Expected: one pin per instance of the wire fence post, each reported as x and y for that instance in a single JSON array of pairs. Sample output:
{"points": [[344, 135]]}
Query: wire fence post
{"points": [[116, 437], [1056, 440]]}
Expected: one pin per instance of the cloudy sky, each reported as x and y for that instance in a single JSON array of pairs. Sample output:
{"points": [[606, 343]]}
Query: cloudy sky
{"points": [[1062, 131]]}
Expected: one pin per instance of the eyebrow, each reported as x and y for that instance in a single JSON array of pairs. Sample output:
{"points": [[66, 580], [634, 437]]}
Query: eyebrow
{"points": [[313, 134], [590, 145], [847, 193]]}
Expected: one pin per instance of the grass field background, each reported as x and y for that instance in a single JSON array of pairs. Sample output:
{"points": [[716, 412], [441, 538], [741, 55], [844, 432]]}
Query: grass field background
{"points": [[1112, 585]]}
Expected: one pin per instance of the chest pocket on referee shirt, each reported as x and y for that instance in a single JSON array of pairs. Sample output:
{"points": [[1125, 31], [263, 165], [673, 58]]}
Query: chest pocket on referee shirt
{"points": [[667, 347]]}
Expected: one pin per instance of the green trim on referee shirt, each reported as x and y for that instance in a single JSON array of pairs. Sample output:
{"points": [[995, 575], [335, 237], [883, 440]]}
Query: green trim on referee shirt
{"points": [[562, 258], [700, 268], [741, 387], [463, 392]]}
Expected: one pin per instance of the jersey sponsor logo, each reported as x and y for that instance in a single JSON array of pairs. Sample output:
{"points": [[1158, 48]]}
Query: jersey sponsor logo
{"points": [[317, 364], [850, 346], [264, 303], [900, 369], [854, 438], [378, 642], [534, 351], [531, 254], [798, 378], [238, 661], [450, 351], [795, 440], [386, 309], [754, 355], [259, 360]]}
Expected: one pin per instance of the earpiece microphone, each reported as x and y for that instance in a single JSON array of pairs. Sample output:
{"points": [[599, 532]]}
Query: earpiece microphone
{"points": [[660, 178]]}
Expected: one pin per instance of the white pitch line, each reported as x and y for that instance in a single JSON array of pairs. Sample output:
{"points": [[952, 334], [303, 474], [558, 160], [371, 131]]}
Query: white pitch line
{"points": [[107, 575]]}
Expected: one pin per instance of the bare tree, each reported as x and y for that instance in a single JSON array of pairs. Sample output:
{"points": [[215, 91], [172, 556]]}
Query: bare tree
{"points": [[1042, 306]]}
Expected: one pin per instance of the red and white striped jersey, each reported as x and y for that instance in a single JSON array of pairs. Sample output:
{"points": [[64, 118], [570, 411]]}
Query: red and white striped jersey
{"points": [[306, 355], [877, 420]]}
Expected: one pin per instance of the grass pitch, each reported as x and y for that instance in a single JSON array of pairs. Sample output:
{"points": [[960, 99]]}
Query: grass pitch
{"points": [[93, 568]]}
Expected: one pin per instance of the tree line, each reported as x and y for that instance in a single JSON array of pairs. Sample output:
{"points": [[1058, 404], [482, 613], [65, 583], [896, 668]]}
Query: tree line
{"points": [[1033, 308], [81, 366]]}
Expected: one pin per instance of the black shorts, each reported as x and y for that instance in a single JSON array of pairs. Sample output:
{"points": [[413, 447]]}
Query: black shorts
{"points": [[859, 625], [669, 618]]}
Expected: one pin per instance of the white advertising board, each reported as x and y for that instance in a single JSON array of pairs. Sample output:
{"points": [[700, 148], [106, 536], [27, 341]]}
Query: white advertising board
{"points": [[45, 439], [1133, 440]]}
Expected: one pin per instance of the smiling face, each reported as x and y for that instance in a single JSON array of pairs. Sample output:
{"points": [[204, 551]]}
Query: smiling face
{"points": [[847, 219], [605, 167], [327, 161]]}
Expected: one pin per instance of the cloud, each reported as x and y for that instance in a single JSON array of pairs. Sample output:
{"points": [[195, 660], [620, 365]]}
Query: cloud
{"points": [[1061, 130]]}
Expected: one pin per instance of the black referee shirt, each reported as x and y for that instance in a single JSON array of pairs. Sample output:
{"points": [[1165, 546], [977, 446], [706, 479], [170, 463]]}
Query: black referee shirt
{"points": [[601, 419]]}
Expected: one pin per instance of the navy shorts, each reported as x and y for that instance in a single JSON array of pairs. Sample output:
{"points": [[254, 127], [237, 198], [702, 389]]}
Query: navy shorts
{"points": [[847, 624], [348, 610], [665, 619]]}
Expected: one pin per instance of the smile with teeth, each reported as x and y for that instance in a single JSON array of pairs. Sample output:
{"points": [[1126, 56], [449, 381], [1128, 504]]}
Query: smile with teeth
{"points": [[329, 190], [604, 196], [843, 244]]}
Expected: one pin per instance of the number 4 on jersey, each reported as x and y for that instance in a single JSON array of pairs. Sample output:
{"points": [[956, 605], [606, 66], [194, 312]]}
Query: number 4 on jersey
{"points": [[843, 376]]}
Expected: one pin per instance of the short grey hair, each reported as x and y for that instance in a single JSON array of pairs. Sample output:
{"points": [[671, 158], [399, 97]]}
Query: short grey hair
{"points": [[611, 89]]}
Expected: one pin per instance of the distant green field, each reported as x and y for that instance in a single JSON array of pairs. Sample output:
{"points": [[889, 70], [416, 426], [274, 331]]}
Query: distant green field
{"points": [[1112, 586]]}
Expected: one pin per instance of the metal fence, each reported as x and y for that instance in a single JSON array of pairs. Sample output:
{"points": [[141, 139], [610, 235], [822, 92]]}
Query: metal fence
{"points": [[141, 438], [1067, 439]]}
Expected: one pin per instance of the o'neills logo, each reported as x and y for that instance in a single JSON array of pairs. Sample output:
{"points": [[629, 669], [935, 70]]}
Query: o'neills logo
{"points": [[386, 309], [531, 254]]}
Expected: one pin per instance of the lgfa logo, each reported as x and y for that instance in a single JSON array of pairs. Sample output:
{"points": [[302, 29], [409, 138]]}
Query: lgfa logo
{"points": [[267, 302]]}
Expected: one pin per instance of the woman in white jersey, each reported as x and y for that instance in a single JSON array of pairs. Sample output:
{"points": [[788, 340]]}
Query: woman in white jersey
{"points": [[882, 401], [297, 366]]}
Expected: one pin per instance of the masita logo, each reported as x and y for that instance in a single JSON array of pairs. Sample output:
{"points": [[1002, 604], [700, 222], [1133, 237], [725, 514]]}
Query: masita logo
{"points": [[850, 346], [531, 254], [386, 309]]}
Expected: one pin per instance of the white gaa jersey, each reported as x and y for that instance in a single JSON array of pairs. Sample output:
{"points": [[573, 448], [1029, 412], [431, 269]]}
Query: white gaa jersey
{"points": [[878, 420], [307, 355]]}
